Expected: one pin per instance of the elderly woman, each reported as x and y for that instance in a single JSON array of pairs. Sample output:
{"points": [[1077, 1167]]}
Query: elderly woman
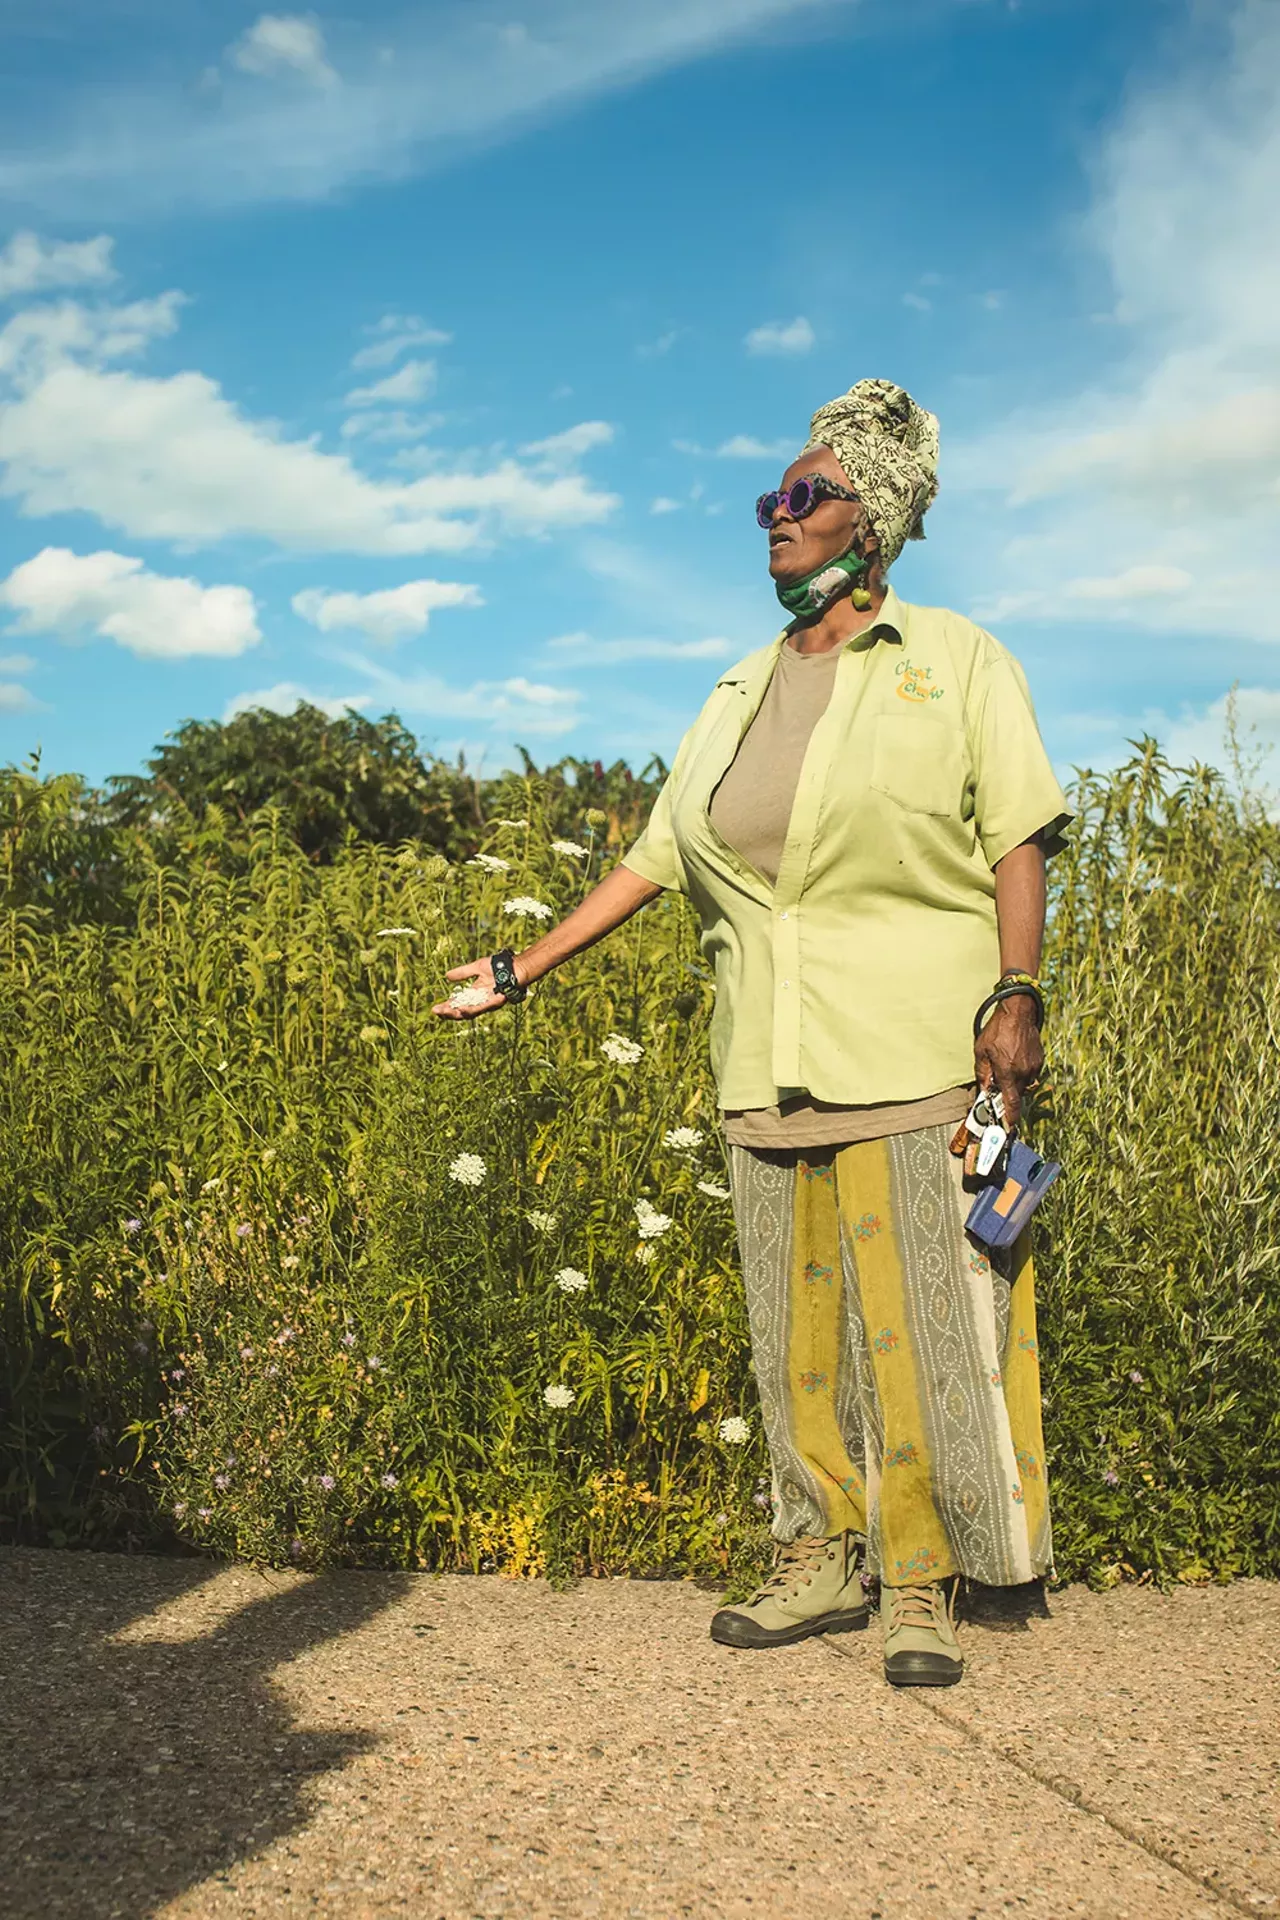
{"points": [[860, 816]]}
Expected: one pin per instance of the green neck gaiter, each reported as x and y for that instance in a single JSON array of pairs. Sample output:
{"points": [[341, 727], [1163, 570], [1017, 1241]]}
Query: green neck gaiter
{"points": [[808, 599]]}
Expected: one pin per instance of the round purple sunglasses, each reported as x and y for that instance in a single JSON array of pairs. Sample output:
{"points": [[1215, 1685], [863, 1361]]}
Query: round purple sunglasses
{"points": [[800, 498]]}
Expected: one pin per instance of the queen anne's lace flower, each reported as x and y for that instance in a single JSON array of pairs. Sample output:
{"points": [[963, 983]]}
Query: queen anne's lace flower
{"points": [[556, 1396], [571, 1280], [490, 862], [623, 1052], [734, 1430], [651, 1223], [541, 1222], [644, 1254], [525, 907], [712, 1191], [570, 848], [684, 1139], [468, 1170]]}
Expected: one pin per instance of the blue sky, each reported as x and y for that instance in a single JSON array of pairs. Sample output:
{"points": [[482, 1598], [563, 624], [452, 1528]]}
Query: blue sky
{"points": [[432, 358]]}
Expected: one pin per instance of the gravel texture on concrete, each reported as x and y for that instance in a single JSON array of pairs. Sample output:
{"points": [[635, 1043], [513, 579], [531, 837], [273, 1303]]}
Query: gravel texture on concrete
{"points": [[184, 1740]]}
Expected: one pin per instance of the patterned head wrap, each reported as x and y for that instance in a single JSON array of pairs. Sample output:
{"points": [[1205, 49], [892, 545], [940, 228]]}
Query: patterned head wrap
{"points": [[888, 447]]}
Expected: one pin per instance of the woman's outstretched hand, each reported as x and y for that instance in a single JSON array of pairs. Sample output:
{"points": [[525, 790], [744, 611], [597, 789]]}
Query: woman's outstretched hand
{"points": [[478, 996]]}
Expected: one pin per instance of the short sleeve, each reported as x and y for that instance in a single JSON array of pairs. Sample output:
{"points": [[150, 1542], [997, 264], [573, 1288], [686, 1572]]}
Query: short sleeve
{"points": [[655, 856], [1016, 794]]}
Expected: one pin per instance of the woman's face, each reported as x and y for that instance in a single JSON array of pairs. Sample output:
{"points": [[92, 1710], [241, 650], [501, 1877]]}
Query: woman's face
{"points": [[798, 547]]}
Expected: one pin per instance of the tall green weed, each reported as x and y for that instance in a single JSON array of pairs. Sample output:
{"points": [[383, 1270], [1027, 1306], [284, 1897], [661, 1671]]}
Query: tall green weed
{"points": [[291, 1270]]}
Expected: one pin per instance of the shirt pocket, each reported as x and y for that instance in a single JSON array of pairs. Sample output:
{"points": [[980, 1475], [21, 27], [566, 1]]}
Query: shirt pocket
{"points": [[919, 763]]}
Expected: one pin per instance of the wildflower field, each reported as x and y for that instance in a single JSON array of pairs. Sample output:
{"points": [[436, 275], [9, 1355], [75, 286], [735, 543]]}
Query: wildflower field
{"points": [[292, 1271]]}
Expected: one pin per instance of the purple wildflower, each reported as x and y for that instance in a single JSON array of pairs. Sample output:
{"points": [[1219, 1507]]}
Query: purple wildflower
{"points": [[373, 1363], [132, 1226], [348, 1339], [1136, 1377], [1111, 1478], [389, 1480], [179, 1411], [246, 1353], [295, 1549], [327, 1481], [760, 1499], [204, 1513], [243, 1229], [221, 1481], [180, 1511]]}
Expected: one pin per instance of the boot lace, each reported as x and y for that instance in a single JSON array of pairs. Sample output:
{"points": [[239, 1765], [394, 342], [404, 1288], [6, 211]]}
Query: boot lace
{"points": [[795, 1565], [919, 1606]]}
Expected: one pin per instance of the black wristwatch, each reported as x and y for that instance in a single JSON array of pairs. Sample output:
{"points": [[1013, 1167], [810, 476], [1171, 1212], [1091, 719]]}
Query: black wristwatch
{"points": [[504, 976]]}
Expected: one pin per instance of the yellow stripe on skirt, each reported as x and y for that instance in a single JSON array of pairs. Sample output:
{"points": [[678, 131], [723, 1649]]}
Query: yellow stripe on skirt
{"points": [[898, 1370]]}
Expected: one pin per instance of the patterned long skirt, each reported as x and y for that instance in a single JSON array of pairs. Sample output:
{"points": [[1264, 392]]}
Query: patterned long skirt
{"points": [[898, 1372]]}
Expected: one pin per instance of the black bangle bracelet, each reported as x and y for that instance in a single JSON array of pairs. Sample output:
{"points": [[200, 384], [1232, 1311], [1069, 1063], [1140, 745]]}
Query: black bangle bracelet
{"points": [[993, 1000], [504, 976]]}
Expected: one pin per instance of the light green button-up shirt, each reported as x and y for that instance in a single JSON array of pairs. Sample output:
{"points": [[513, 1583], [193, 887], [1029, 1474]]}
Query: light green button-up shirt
{"points": [[856, 977]]}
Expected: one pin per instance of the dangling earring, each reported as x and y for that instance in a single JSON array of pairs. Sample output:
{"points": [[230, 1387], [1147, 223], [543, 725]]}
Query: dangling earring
{"points": [[861, 599]]}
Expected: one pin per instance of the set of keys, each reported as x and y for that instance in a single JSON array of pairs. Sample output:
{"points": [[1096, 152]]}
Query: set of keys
{"points": [[983, 1139]]}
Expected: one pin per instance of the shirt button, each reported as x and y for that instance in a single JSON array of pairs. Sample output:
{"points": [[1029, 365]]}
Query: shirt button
{"points": [[782, 916], [786, 983]]}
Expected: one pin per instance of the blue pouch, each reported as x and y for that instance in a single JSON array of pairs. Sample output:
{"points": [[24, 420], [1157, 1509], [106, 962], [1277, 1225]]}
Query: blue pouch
{"points": [[1004, 1206]]}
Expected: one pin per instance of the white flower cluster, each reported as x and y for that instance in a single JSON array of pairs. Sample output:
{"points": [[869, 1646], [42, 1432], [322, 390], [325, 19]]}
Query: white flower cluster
{"points": [[558, 1396], [525, 907], [470, 996], [684, 1139], [645, 1253], [713, 1191], [571, 1280], [734, 1430], [623, 1052], [541, 1222], [490, 862], [651, 1223], [468, 1170], [570, 848], [509, 823]]}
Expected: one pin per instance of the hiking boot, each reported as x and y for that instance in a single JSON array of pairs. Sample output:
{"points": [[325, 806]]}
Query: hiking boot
{"points": [[815, 1587], [920, 1644]]}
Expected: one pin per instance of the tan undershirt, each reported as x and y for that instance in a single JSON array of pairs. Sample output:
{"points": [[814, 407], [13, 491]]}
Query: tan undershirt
{"points": [[751, 809]]}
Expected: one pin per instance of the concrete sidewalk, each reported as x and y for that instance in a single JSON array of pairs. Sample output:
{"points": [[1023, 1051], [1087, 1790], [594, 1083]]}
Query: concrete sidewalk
{"points": [[180, 1740]]}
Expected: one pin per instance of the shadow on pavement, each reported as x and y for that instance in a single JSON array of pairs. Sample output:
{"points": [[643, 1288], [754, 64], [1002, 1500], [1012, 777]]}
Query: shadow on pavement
{"points": [[131, 1770]]}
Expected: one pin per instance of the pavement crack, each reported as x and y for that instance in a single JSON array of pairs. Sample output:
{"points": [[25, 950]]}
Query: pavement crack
{"points": [[1071, 1792]]}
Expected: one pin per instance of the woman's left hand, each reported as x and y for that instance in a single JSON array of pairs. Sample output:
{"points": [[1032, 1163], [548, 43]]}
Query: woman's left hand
{"points": [[1008, 1053]]}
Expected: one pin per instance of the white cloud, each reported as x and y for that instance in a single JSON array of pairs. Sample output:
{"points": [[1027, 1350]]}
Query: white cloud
{"points": [[388, 615], [566, 449], [1252, 714], [1167, 470], [390, 427], [513, 706], [739, 446], [415, 380], [1115, 593], [284, 43], [32, 265], [664, 504], [286, 695], [451, 79], [585, 651], [656, 349], [392, 335], [918, 302], [15, 699], [174, 459], [781, 337], [37, 339], [156, 615]]}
